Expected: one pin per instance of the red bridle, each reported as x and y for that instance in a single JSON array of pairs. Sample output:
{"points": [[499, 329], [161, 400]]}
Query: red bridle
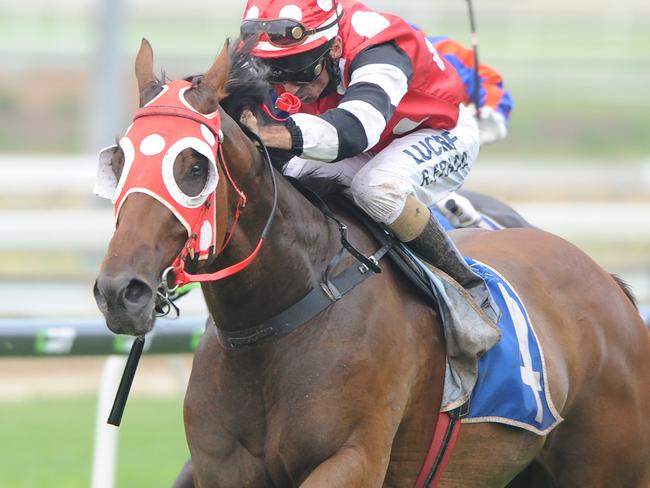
{"points": [[160, 131], [182, 277]]}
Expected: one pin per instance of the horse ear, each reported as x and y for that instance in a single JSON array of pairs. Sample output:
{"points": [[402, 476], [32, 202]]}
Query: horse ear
{"points": [[144, 66], [217, 76]]}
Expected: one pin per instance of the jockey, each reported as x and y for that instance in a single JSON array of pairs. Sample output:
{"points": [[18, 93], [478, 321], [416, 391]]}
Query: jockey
{"points": [[496, 105], [495, 101], [381, 110]]}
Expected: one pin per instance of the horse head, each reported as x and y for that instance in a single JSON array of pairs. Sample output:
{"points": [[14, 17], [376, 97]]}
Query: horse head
{"points": [[168, 188]]}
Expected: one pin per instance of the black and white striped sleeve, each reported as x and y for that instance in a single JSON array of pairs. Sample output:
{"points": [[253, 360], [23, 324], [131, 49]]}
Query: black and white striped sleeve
{"points": [[380, 77]]}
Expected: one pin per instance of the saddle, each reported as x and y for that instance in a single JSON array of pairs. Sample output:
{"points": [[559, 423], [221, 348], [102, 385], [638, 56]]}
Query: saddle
{"points": [[469, 333]]}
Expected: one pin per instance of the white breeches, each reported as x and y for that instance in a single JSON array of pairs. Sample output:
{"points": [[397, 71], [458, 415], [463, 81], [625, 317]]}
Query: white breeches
{"points": [[429, 164]]}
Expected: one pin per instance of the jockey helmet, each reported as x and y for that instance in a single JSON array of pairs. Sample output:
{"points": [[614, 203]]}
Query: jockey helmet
{"points": [[286, 28]]}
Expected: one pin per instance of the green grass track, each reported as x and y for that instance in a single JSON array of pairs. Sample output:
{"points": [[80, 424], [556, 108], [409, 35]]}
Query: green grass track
{"points": [[48, 442]]}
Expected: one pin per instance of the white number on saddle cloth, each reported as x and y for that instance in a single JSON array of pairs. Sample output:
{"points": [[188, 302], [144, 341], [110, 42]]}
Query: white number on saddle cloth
{"points": [[528, 376], [436, 55], [105, 182]]}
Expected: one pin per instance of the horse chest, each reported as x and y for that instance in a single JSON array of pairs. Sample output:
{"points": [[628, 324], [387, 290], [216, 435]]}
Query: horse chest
{"points": [[244, 440]]}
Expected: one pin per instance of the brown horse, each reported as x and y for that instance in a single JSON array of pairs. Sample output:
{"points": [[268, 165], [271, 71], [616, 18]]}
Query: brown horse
{"points": [[350, 398]]}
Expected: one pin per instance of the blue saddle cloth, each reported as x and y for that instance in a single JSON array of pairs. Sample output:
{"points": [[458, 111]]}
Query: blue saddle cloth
{"points": [[512, 386]]}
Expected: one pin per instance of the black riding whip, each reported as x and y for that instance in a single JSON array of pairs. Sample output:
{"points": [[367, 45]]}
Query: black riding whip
{"points": [[476, 96], [115, 417]]}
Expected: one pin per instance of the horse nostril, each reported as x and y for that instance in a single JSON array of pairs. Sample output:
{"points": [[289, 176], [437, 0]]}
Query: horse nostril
{"points": [[137, 292], [99, 298]]}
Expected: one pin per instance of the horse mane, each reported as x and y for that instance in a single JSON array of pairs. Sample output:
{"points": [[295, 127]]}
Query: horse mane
{"points": [[627, 289], [247, 85], [323, 186]]}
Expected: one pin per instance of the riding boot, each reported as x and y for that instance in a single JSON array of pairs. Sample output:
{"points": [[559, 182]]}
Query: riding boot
{"points": [[422, 233]]}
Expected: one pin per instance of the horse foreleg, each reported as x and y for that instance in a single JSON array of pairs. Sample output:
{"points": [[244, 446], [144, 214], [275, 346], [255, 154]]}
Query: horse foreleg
{"points": [[362, 459], [350, 467]]}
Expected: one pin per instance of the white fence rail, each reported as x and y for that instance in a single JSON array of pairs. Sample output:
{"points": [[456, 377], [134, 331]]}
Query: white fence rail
{"points": [[24, 175], [51, 206], [47, 209]]}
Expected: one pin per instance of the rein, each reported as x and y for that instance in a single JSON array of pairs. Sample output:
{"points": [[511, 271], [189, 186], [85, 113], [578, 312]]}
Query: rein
{"points": [[329, 291], [165, 294], [183, 277]]}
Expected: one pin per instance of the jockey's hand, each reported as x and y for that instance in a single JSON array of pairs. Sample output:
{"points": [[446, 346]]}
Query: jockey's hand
{"points": [[249, 120], [491, 125], [273, 135]]}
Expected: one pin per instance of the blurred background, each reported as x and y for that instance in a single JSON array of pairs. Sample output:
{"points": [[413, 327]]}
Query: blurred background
{"points": [[576, 162]]}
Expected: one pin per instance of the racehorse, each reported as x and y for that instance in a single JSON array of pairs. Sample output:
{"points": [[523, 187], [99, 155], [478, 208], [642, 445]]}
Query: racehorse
{"points": [[350, 398]]}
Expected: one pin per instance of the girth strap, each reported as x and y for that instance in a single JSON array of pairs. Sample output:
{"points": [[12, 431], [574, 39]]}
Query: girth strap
{"points": [[440, 450], [329, 291], [396, 253], [316, 301], [318, 202]]}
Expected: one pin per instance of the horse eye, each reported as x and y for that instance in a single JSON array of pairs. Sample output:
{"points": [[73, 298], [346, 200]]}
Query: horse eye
{"points": [[191, 172], [196, 170]]}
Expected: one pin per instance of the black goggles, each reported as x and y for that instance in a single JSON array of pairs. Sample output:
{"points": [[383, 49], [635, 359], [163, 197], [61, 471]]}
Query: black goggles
{"points": [[304, 76], [281, 32]]}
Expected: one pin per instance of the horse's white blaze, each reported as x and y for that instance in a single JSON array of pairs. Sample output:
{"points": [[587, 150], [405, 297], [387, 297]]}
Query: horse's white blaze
{"points": [[528, 376]]}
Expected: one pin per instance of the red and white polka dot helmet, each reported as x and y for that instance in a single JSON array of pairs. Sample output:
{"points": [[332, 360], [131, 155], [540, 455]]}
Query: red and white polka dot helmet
{"points": [[309, 15]]}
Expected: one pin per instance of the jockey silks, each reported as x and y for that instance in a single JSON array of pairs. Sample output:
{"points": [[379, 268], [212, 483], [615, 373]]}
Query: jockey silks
{"points": [[435, 90]]}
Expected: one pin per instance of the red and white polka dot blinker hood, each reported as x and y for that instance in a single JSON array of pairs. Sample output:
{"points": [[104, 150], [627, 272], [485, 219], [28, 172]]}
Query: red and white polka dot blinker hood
{"points": [[313, 14], [163, 128]]}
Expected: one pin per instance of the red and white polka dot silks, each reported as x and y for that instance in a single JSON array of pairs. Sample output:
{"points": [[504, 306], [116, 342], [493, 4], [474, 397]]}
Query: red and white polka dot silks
{"points": [[313, 14], [163, 128]]}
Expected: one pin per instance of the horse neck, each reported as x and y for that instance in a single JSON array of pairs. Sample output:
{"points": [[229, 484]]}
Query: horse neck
{"points": [[297, 248]]}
